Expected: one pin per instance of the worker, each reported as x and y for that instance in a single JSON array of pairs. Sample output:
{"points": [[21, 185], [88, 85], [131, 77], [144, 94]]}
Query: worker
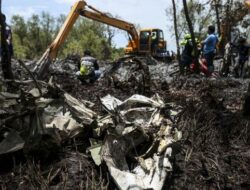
{"points": [[8, 36], [89, 68], [209, 48], [243, 49], [154, 41], [187, 53]]}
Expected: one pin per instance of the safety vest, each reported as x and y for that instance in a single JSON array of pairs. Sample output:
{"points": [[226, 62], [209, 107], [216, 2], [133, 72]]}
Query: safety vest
{"points": [[87, 65]]}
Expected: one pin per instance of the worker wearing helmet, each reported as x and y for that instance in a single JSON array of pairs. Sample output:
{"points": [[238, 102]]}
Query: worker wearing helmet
{"points": [[187, 53], [89, 68]]}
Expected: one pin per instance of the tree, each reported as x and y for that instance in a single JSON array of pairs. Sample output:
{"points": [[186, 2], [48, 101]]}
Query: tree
{"points": [[19, 27], [47, 29], [87, 34], [31, 38], [34, 36], [233, 13], [191, 30], [200, 14], [110, 34], [111, 31], [217, 5], [59, 22], [176, 36]]}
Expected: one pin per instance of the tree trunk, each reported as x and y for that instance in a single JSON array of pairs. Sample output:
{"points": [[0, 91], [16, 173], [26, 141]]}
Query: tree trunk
{"points": [[217, 4], [228, 20], [110, 35], [177, 37], [191, 30], [5, 54]]}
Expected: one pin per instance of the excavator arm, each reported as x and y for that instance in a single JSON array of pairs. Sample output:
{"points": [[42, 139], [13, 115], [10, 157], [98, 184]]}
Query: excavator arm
{"points": [[97, 15], [247, 3], [51, 52], [80, 8], [66, 28]]}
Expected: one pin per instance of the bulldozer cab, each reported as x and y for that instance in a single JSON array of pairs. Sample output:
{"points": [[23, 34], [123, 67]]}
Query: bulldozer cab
{"points": [[151, 41]]}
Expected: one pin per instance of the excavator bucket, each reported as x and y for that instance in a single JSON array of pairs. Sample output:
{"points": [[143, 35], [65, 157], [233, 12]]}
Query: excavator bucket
{"points": [[42, 65]]}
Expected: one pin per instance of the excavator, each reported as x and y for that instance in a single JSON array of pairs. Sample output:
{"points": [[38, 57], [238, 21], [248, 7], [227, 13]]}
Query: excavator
{"points": [[146, 42]]}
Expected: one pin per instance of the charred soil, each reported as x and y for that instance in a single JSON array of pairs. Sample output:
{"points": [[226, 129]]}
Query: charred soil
{"points": [[213, 152]]}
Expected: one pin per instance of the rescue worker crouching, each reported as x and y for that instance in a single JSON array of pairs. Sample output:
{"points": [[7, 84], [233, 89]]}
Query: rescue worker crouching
{"points": [[89, 68]]}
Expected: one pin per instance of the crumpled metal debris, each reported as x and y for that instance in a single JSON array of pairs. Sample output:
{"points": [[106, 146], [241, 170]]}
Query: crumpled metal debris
{"points": [[132, 72], [65, 123], [137, 129], [72, 119], [62, 112], [79, 110], [67, 66], [95, 150], [11, 142], [133, 121], [8, 99]]}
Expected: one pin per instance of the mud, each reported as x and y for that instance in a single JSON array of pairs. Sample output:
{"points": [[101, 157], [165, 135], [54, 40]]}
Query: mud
{"points": [[215, 144], [213, 153]]}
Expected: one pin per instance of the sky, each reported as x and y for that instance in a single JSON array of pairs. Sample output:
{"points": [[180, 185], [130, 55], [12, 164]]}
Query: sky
{"points": [[146, 13]]}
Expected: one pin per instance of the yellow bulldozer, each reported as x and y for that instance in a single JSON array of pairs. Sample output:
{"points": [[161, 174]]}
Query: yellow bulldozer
{"points": [[145, 42]]}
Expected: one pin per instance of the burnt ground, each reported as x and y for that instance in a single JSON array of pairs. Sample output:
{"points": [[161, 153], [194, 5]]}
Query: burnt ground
{"points": [[215, 143], [214, 151]]}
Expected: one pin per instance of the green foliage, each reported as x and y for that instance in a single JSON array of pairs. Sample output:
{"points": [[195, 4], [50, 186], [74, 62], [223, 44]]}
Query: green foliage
{"points": [[117, 53], [32, 37], [85, 35], [20, 50], [200, 14], [47, 28], [19, 28]]}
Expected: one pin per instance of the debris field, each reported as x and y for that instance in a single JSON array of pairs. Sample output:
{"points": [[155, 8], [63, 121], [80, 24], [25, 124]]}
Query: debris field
{"points": [[137, 127]]}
